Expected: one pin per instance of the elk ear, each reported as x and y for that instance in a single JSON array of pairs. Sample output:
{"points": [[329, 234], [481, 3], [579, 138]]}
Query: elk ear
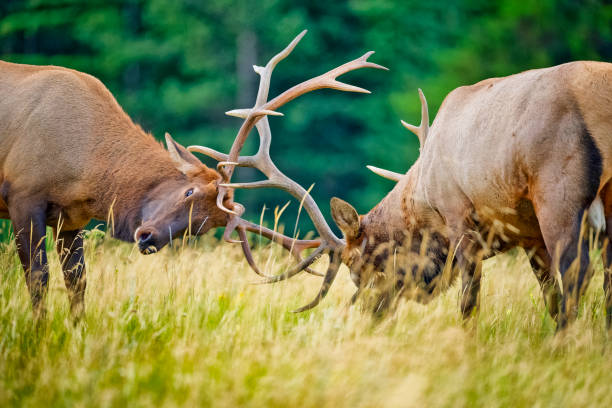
{"points": [[182, 158], [346, 218]]}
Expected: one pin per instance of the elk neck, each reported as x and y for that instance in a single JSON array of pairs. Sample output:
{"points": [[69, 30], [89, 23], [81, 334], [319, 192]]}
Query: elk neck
{"points": [[406, 208], [390, 218]]}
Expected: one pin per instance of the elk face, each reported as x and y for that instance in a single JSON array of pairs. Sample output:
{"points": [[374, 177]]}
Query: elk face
{"points": [[186, 204], [388, 253]]}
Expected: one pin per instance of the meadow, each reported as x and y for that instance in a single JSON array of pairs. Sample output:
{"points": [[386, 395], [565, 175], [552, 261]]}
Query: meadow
{"points": [[185, 327]]}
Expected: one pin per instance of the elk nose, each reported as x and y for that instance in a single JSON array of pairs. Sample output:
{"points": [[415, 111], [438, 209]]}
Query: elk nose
{"points": [[144, 239]]}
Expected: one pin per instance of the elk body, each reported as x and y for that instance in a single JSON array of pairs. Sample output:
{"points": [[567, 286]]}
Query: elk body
{"points": [[69, 153], [514, 161]]}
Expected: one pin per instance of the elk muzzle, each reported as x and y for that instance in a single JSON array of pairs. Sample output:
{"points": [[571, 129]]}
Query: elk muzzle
{"points": [[146, 240]]}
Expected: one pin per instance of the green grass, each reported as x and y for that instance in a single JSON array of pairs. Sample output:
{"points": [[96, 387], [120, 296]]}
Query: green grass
{"points": [[185, 328]]}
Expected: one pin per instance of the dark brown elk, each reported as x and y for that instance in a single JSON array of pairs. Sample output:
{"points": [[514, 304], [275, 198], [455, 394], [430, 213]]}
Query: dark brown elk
{"points": [[514, 161], [69, 153]]}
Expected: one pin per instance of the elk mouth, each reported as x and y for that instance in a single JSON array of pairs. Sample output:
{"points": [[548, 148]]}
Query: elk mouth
{"points": [[148, 250]]}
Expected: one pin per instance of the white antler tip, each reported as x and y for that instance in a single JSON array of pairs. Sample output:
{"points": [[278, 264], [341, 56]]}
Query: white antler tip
{"points": [[341, 86], [377, 66], [390, 175], [239, 113], [421, 94], [367, 55], [262, 112]]}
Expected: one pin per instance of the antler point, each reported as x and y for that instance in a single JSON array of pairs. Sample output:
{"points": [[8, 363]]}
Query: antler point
{"points": [[239, 113]]}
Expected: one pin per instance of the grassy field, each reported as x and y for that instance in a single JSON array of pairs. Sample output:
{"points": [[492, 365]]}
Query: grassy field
{"points": [[185, 328]]}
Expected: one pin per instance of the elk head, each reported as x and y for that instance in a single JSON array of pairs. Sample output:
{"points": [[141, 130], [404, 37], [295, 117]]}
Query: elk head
{"points": [[257, 117], [183, 204], [400, 244]]}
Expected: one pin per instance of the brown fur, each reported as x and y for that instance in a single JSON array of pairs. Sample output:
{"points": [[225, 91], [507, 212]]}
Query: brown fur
{"points": [[69, 153], [511, 161]]}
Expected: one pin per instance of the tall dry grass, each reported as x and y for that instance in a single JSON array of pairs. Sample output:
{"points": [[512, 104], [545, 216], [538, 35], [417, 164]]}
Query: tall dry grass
{"points": [[185, 328]]}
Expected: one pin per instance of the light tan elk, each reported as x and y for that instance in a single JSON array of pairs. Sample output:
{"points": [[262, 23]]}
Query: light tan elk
{"points": [[69, 153], [514, 161]]}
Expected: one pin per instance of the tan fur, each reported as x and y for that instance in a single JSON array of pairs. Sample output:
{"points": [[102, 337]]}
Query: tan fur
{"points": [[492, 143], [508, 155]]}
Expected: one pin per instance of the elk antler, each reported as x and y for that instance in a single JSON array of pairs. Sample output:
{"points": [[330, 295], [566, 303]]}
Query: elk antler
{"points": [[257, 117], [388, 174], [421, 131], [423, 128]]}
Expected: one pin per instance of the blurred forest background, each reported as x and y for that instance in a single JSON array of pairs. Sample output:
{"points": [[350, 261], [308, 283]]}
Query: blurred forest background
{"points": [[178, 65]]}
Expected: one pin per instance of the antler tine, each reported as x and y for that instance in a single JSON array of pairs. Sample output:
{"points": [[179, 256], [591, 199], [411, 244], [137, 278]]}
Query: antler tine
{"points": [[302, 265], [266, 73], [391, 175], [327, 80], [423, 129], [330, 275], [293, 245], [252, 115], [293, 250], [243, 161]]}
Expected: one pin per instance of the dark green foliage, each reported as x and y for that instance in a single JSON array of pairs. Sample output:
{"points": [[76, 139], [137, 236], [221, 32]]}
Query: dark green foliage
{"points": [[177, 66]]}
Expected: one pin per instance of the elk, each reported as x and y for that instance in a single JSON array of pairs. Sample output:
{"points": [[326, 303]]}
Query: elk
{"points": [[69, 154], [524, 160]]}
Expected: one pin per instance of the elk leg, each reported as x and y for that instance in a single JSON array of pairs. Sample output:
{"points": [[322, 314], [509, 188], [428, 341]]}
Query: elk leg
{"points": [[70, 250], [608, 295], [551, 290], [29, 226], [607, 285], [469, 260], [561, 199], [470, 288], [562, 235], [573, 265]]}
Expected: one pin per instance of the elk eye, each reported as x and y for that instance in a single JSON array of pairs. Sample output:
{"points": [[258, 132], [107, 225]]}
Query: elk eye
{"points": [[189, 192]]}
